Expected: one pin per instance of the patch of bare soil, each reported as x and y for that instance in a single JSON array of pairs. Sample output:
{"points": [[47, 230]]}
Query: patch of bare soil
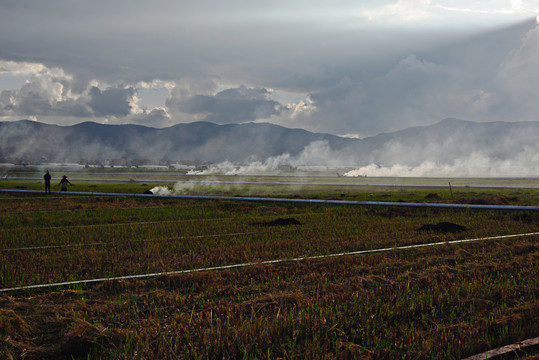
{"points": [[279, 222], [489, 199], [443, 227]]}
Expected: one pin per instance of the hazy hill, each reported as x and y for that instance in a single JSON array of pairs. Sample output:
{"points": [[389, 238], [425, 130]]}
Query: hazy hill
{"points": [[442, 142], [452, 139], [202, 141]]}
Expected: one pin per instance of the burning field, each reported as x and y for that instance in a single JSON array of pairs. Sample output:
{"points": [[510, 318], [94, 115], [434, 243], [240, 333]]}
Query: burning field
{"points": [[155, 277]]}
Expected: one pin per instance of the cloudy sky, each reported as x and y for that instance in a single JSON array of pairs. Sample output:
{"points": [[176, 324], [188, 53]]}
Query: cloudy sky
{"points": [[344, 67]]}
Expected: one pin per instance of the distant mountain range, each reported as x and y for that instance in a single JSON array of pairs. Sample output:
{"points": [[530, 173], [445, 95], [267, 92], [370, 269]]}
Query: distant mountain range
{"points": [[88, 142]]}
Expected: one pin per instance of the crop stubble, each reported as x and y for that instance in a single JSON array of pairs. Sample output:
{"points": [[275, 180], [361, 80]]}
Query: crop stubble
{"points": [[444, 302]]}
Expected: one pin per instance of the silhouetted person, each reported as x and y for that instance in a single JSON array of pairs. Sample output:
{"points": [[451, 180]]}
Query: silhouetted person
{"points": [[64, 183], [47, 178]]}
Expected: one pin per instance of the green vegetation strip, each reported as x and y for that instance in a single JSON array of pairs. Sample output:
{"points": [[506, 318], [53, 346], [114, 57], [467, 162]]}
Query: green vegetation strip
{"points": [[307, 201], [145, 240], [267, 262]]}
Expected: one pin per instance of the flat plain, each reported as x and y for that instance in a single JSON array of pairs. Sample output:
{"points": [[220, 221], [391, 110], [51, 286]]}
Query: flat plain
{"points": [[264, 280]]}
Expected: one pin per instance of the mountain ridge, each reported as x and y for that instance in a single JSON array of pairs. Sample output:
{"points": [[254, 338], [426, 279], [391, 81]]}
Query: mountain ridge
{"points": [[90, 142]]}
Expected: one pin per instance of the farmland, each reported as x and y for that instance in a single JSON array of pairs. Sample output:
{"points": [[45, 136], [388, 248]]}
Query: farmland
{"points": [[435, 302]]}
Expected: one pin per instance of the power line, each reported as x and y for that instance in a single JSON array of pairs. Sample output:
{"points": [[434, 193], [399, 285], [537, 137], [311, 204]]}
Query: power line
{"points": [[305, 201], [267, 262]]}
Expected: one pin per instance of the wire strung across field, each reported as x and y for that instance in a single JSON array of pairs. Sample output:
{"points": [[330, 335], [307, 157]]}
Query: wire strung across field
{"points": [[44, 247], [75, 210], [267, 262], [110, 224], [45, 228], [304, 201]]}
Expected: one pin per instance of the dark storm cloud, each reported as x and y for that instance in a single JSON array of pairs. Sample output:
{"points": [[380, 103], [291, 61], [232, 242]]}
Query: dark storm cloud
{"points": [[361, 67], [296, 45], [483, 82], [409, 94], [135, 40], [112, 101], [234, 105]]}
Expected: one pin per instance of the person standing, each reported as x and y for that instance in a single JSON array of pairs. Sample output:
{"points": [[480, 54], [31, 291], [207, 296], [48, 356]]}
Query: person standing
{"points": [[63, 183], [47, 178]]}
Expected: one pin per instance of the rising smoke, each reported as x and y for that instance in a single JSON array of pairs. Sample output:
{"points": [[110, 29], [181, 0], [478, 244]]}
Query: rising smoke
{"points": [[317, 153], [475, 165], [394, 160], [524, 163], [199, 187]]}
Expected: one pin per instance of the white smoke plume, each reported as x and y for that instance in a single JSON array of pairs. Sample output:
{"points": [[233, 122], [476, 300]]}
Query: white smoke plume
{"points": [[475, 164], [525, 163], [317, 153], [190, 187], [161, 190], [269, 166]]}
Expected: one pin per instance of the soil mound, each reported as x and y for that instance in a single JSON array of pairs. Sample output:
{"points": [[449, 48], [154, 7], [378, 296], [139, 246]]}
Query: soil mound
{"points": [[279, 222], [432, 196], [443, 227]]}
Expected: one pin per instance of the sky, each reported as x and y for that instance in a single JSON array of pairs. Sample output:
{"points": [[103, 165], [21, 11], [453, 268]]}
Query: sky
{"points": [[349, 68]]}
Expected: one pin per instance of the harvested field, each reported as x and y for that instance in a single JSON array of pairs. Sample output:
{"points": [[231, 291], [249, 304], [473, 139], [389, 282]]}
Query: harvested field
{"points": [[438, 302]]}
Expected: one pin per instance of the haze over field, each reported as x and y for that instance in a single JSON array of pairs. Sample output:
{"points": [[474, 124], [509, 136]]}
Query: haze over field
{"points": [[348, 68], [451, 147]]}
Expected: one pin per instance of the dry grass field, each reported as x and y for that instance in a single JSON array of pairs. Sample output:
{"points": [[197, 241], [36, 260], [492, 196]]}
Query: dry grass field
{"points": [[448, 301]]}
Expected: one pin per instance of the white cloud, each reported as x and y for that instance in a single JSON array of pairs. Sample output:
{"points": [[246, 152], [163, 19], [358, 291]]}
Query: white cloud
{"points": [[519, 75], [507, 7], [51, 92], [400, 11], [413, 63], [46, 92], [521, 64], [18, 68]]}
